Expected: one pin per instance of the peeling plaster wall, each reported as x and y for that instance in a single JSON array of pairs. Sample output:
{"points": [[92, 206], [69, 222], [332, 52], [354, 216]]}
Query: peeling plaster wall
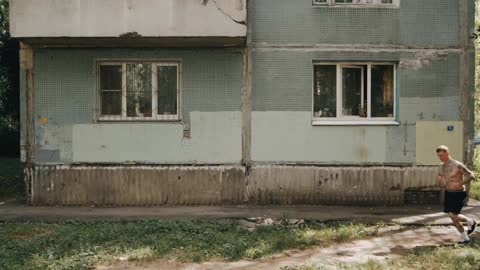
{"points": [[421, 37], [290, 137], [427, 89], [114, 18], [215, 139], [283, 78], [287, 37], [414, 23], [66, 129]]}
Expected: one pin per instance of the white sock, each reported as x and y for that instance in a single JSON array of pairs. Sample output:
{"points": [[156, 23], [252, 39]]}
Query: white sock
{"points": [[469, 221], [465, 236]]}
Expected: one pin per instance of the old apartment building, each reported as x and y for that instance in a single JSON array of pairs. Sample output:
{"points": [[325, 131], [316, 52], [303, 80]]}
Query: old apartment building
{"points": [[151, 102]]}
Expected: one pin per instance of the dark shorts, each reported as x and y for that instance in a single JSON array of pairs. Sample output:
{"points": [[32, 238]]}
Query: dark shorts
{"points": [[454, 201]]}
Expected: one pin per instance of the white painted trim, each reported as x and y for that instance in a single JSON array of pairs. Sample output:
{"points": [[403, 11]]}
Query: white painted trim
{"points": [[358, 4], [339, 113], [369, 91], [124, 90], [354, 122], [154, 79], [179, 90], [156, 118]]}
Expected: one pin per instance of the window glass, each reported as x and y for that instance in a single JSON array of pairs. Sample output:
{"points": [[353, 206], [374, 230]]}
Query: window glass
{"points": [[344, 92], [111, 89], [382, 91], [352, 94], [139, 90], [325, 91], [167, 89]]}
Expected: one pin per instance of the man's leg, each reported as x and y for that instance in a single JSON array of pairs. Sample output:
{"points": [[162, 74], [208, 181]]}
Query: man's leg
{"points": [[472, 224], [456, 222], [463, 218]]}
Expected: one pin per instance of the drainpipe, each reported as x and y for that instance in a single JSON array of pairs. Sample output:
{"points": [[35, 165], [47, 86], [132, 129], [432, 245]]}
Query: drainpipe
{"points": [[467, 78], [246, 103], [26, 65]]}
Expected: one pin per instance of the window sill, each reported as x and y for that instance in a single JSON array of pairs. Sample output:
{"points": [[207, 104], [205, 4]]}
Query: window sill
{"points": [[137, 119], [354, 123], [387, 6]]}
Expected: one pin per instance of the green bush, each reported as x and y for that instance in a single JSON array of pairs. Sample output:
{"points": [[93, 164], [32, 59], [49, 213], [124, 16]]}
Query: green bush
{"points": [[9, 137], [11, 179]]}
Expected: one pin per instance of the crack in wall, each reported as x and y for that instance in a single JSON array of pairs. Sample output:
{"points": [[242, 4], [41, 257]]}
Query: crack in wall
{"points": [[205, 2], [423, 59]]}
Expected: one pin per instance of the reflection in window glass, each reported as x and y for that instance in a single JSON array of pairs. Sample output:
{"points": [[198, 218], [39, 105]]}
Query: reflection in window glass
{"points": [[111, 89], [139, 90], [111, 102], [382, 91], [325, 91], [167, 89], [352, 95]]}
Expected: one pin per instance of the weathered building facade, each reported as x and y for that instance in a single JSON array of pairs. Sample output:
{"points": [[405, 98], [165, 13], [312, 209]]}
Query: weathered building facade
{"points": [[147, 102]]}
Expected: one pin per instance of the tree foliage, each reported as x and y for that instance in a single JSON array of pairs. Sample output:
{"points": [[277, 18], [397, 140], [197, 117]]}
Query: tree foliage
{"points": [[9, 87], [476, 36], [477, 83]]}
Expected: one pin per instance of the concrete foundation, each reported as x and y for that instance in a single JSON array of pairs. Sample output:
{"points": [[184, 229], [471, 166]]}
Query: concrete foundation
{"points": [[220, 185]]}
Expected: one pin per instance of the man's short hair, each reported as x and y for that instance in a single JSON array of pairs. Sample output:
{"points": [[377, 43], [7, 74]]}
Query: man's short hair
{"points": [[442, 148]]}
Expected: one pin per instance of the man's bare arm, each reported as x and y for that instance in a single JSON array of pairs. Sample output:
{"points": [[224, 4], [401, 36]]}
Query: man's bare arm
{"points": [[469, 175], [441, 180]]}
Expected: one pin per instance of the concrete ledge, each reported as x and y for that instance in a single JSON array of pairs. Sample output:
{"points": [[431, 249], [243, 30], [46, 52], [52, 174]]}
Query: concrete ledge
{"points": [[135, 42]]}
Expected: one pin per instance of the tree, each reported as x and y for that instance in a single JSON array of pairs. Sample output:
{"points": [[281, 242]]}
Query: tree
{"points": [[9, 87]]}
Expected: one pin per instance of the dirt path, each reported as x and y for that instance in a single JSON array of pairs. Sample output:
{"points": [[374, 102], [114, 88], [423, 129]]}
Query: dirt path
{"points": [[394, 243]]}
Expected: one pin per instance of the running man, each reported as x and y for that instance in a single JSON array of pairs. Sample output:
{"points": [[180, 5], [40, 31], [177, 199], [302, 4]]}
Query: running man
{"points": [[451, 177]]}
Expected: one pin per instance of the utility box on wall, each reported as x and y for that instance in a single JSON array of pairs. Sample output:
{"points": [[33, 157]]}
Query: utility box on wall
{"points": [[431, 134]]}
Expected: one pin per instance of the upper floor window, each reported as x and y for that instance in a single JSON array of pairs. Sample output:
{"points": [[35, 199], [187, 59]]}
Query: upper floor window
{"points": [[354, 93], [139, 90], [356, 2]]}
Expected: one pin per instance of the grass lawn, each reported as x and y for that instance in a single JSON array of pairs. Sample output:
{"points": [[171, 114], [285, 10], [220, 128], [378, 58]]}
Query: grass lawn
{"points": [[80, 245], [444, 258], [475, 190], [11, 178]]}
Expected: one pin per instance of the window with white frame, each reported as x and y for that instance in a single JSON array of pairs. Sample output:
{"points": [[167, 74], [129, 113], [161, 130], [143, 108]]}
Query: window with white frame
{"points": [[354, 92], [356, 2], [139, 90]]}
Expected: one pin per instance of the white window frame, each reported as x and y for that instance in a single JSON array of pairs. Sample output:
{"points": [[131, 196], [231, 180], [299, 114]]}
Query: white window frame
{"points": [[154, 66], [355, 120], [356, 3]]}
